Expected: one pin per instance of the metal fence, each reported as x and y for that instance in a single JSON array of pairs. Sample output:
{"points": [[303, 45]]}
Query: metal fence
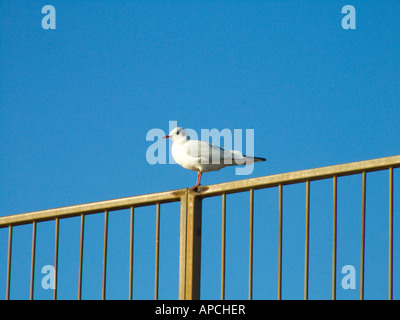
{"points": [[191, 226]]}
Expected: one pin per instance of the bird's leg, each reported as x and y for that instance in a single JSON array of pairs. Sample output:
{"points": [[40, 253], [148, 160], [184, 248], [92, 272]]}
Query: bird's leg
{"points": [[198, 181], [198, 178]]}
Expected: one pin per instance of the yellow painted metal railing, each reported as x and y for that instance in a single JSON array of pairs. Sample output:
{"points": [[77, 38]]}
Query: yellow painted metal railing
{"points": [[191, 225]]}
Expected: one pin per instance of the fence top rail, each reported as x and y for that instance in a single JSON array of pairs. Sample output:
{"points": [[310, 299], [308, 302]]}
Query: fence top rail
{"points": [[301, 176], [94, 207], [204, 191]]}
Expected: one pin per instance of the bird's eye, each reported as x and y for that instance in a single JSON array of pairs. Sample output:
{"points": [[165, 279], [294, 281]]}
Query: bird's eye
{"points": [[178, 132]]}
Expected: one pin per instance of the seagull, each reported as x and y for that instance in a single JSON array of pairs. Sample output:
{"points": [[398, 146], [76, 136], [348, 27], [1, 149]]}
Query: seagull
{"points": [[201, 156]]}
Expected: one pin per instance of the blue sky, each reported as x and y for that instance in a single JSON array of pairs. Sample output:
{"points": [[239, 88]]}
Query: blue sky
{"points": [[77, 102]]}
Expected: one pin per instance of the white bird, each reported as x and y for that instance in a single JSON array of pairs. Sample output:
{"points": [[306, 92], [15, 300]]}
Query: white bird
{"points": [[201, 156]]}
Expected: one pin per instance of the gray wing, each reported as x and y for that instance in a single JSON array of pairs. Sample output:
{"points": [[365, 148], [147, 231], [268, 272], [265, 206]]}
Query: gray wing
{"points": [[208, 153]]}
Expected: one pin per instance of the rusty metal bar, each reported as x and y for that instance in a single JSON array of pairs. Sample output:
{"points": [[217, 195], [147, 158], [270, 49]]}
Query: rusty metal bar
{"points": [[302, 176], [33, 257], [362, 254], [307, 240], [81, 240], [251, 244], [390, 233], [103, 291], [157, 259], [94, 207], [334, 241], [131, 249], [223, 246], [182, 245], [280, 243], [57, 236], [193, 247], [9, 256]]}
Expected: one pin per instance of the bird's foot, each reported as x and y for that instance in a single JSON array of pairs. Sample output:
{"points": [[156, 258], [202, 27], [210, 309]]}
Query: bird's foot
{"points": [[194, 188], [198, 189]]}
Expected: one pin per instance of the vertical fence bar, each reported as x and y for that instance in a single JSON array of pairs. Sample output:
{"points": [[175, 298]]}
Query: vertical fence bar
{"points": [[57, 234], [280, 244], [81, 239], [33, 260], [334, 241], [307, 238], [193, 247], [251, 244], [182, 245], [364, 181], [103, 292], [8, 288], [223, 246], [390, 233], [131, 246], [157, 260]]}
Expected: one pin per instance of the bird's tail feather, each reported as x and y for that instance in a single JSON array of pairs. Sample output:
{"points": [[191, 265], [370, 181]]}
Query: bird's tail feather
{"points": [[258, 159], [248, 160]]}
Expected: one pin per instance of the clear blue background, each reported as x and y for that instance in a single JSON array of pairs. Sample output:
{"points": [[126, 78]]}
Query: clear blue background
{"points": [[77, 102]]}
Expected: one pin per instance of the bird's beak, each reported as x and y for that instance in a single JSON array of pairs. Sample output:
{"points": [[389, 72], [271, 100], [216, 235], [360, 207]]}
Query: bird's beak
{"points": [[166, 137]]}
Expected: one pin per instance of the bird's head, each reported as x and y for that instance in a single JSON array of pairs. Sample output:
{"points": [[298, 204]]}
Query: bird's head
{"points": [[177, 134]]}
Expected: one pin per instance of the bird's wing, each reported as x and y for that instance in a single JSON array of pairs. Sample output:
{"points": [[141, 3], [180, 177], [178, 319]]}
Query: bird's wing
{"points": [[208, 153]]}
